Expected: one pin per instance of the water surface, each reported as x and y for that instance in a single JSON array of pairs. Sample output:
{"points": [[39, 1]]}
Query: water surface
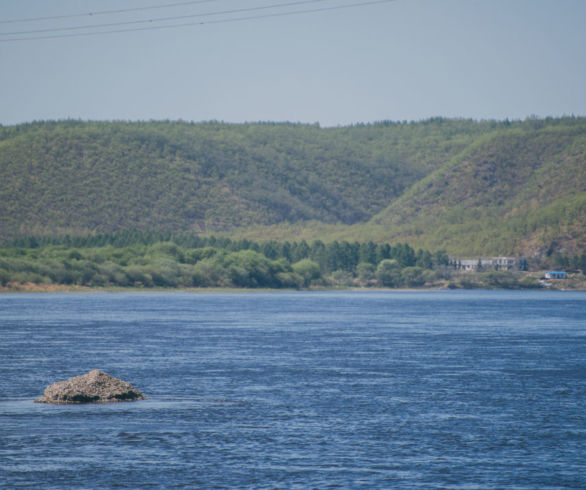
{"points": [[456, 389]]}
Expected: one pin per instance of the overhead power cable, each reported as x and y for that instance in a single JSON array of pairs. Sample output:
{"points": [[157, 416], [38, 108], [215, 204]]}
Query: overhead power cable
{"points": [[105, 12], [204, 22], [200, 23], [162, 19]]}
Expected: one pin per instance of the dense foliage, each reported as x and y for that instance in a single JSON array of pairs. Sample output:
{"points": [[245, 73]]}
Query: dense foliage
{"points": [[144, 260], [499, 188], [164, 260]]}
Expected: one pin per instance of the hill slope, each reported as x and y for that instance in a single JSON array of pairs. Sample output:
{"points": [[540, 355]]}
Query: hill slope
{"points": [[521, 191], [469, 187], [76, 177]]}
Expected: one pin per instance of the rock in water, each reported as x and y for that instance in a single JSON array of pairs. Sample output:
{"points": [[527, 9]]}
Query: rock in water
{"points": [[93, 387]]}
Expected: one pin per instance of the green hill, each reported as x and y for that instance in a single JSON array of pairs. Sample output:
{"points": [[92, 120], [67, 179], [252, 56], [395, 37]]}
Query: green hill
{"points": [[520, 191], [466, 186]]}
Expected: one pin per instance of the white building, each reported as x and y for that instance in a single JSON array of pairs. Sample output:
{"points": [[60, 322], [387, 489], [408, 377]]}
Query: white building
{"points": [[492, 263]]}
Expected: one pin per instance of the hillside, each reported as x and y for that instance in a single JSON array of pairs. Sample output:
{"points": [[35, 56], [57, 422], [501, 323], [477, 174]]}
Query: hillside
{"points": [[521, 191], [468, 187]]}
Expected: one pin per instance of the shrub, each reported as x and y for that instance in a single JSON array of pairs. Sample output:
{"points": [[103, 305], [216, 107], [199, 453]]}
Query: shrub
{"points": [[388, 273]]}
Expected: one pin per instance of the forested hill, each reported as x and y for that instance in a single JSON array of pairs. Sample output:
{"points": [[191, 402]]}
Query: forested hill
{"points": [[521, 191], [386, 181]]}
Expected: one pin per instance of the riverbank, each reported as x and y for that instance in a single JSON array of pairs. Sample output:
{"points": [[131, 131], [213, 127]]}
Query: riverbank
{"points": [[571, 284]]}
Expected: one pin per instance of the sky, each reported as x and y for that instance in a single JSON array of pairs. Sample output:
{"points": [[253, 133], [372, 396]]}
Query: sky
{"points": [[340, 62]]}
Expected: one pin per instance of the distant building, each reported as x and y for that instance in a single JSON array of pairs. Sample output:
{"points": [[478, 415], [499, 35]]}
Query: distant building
{"points": [[555, 275], [492, 263]]}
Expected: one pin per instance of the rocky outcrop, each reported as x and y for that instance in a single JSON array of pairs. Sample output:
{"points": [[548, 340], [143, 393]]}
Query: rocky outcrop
{"points": [[93, 387]]}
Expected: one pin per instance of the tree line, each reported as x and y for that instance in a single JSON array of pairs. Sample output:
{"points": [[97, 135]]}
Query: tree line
{"points": [[153, 259]]}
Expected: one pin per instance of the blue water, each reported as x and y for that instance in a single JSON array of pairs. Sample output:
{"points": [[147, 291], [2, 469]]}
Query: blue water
{"points": [[455, 389]]}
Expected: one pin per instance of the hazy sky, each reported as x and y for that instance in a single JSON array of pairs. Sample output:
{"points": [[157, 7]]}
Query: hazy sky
{"points": [[398, 60]]}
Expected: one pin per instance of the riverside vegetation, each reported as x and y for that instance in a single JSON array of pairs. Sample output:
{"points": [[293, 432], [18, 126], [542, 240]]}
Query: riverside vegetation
{"points": [[154, 260]]}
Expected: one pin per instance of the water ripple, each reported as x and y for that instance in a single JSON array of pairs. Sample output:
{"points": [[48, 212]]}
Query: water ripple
{"points": [[327, 390]]}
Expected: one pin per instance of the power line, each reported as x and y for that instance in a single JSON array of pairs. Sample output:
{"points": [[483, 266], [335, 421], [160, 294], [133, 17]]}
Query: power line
{"points": [[201, 23], [161, 19], [104, 12]]}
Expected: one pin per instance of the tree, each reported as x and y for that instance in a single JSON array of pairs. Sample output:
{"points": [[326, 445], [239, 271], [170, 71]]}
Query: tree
{"points": [[308, 270], [404, 254], [300, 251], [367, 252], [365, 271], [318, 254], [412, 276], [383, 251], [388, 273], [424, 259], [440, 258]]}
